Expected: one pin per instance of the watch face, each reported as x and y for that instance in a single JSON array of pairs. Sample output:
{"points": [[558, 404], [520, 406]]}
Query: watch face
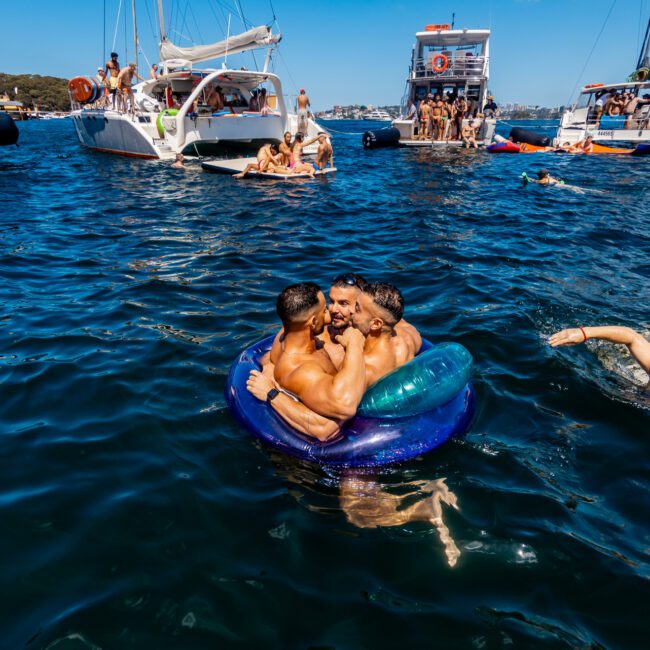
{"points": [[272, 394]]}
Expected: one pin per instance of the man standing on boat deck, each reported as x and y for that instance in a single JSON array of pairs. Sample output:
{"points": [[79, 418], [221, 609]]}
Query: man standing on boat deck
{"points": [[302, 105], [125, 83], [113, 70]]}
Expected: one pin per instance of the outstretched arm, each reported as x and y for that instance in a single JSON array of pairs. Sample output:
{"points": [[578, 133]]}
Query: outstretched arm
{"points": [[638, 346], [291, 411]]}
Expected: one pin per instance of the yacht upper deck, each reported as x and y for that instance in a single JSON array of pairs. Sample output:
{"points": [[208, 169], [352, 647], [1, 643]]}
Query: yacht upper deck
{"points": [[465, 51]]}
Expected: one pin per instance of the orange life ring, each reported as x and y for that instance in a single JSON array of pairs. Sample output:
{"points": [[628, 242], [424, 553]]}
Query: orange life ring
{"points": [[84, 89], [444, 64]]}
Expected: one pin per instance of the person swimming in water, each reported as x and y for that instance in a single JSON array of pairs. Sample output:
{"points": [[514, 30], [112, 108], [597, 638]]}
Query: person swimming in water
{"points": [[543, 178], [637, 344]]}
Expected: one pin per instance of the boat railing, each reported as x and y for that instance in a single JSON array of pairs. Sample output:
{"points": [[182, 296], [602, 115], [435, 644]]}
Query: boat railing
{"points": [[638, 121], [457, 66]]}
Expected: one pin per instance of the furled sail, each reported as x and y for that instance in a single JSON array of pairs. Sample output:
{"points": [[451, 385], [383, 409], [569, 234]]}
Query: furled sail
{"points": [[250, 40]]}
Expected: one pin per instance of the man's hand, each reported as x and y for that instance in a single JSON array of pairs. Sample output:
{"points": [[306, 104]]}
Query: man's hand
{"points": [[259, 385], [350, 337], [567, 337]]}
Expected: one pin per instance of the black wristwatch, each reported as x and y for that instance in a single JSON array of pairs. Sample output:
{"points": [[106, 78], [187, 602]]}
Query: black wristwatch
{"points": [[272, 394]]}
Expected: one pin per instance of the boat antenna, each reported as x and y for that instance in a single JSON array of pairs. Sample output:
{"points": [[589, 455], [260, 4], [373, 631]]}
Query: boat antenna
{"points": [[135, 34], [644, 60], [453, 20]]}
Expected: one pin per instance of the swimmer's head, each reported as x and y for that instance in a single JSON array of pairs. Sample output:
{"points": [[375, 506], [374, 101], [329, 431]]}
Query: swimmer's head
{"points": [[379, 308], [301, 306], [343, 297], [180, 157], [542, 174]]}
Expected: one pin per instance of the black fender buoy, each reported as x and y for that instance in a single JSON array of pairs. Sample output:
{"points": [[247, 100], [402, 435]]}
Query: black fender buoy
{"points": [[529, 137], [380, 138], [8, 130]]}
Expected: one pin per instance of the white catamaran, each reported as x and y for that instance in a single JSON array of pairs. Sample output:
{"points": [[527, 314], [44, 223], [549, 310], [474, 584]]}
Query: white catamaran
{"points": [[172, 114], [448, 61], [586, 116]]}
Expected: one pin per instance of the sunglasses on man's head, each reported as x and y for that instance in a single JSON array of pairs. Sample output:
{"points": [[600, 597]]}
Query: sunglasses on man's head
{"points": [[348, 278]]}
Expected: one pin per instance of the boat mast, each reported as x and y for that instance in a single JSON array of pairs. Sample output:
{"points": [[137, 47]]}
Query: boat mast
{"points": [[161, 22], [644, 58], [135, 33]]}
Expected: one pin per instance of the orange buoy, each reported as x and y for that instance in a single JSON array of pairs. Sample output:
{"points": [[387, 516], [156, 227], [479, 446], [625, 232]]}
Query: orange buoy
{"points": [[442, 66], [84, 90]]}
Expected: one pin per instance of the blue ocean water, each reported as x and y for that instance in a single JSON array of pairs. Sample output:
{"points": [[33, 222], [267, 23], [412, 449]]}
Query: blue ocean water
{"points": [[136, 513]]}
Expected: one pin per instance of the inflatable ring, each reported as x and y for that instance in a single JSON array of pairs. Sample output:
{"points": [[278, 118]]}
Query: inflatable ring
{"points": [[443, 65], [159, 124], [365, 440]]}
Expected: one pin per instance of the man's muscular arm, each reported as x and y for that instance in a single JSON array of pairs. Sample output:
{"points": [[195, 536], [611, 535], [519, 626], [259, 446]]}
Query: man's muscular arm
{"points": [[335, 396], [292, 412]]}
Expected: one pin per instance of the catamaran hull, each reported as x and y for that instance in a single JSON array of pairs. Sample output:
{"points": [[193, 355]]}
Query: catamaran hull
{"points": [[139, 135]]}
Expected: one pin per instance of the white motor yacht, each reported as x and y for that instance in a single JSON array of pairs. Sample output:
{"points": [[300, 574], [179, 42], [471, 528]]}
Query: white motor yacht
{"points": [[447, 61], [172, 114], [586, 116], [378, 114]]}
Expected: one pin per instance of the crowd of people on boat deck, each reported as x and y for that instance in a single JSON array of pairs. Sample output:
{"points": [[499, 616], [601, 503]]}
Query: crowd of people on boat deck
{"points": [[117, 94], [451, 117], [286, 158], [627, 104]]}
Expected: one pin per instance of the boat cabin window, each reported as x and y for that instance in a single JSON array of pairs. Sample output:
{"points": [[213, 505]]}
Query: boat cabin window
{"points": [[585, 100]]}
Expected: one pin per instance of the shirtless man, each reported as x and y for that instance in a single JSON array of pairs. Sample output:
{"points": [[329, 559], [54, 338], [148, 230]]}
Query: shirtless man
{"points": [[328, 397], [582, 146], [325, 154], [215, 99], [302, 103], [460, 108], [153, 73], [437, 109], [285, 148], [344, 293], [425, 119], [468, 135], [101, 77], [125, 84], [113, 70], [268, 160], [377, 311]]}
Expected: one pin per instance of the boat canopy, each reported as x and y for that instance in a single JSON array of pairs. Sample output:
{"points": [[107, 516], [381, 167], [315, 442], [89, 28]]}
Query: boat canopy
{"points": [[454, 37], [599, 88], [250, 40]]}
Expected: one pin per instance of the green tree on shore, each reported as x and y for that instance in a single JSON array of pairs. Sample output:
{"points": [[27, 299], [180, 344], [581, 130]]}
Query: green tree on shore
{"points": [[48, 93]]}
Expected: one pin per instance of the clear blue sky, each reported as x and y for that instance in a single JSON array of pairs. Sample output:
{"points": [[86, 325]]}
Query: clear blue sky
{"points": [[345, 51]]}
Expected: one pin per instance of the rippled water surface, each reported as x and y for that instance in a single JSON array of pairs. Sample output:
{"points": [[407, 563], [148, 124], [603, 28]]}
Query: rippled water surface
{"points": [[136, 513]]}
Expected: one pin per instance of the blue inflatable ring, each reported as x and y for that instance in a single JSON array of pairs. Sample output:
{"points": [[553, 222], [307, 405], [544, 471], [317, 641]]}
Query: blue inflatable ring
{"points": [[364, 441]]}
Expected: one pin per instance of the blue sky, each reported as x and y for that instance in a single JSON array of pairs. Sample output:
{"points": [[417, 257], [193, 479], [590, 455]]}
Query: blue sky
{"points": [[345, 52]]}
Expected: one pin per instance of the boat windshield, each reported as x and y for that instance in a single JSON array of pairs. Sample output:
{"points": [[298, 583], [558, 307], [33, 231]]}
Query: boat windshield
{"points": [[585, 100]]}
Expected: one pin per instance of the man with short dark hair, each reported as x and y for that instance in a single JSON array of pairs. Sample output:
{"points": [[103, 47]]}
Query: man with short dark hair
{"points": [[378, 310], [113, 70]]}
